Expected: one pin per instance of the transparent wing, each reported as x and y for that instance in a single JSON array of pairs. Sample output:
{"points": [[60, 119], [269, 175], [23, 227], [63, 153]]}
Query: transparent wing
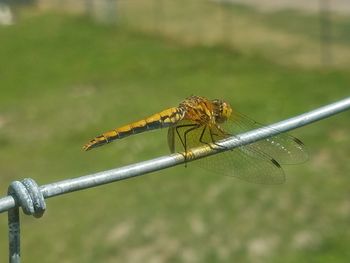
{"points": [[283, 147], [238, 164], [245, 163]]}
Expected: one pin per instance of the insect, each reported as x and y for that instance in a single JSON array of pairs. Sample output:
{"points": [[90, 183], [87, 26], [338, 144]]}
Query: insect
{"points": [[199, 121]]}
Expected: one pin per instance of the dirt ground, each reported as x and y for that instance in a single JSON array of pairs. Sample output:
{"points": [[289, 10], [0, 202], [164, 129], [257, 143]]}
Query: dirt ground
{"points": [[339, 6]]}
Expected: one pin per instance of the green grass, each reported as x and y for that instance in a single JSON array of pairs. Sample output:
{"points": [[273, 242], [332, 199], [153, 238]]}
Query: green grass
{"points": [[306, 25], [285, 37], [65, 79]]}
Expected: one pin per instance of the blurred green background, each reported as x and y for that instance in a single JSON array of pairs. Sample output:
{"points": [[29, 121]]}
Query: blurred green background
{"points": [[67, 76]]}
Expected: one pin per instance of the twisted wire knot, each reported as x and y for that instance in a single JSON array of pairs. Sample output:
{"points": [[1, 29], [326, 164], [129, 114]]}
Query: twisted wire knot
{"points": [[27, 194]]}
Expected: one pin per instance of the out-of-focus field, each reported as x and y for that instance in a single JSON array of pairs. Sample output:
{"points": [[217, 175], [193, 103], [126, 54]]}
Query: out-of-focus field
{"points": [[284, 36], [338, 6], [65, 79]]}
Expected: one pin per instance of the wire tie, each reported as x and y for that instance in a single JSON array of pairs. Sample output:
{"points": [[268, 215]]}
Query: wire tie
{"points": [[27, 194]]}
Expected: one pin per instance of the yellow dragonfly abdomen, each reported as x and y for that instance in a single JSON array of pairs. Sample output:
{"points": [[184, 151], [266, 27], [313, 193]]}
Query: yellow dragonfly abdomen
{"points": [[198, 121], [159, 120]]}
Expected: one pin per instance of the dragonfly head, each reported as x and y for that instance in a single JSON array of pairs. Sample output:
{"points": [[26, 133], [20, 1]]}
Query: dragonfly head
{"points": [[222, 110]]}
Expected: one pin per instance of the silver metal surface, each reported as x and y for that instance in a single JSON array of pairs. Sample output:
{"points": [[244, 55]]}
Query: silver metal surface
{"points": [[160, 163], [28, 195]]}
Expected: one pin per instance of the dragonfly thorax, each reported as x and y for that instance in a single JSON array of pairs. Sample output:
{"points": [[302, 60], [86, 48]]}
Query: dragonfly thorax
{"points": [[203, 111]]}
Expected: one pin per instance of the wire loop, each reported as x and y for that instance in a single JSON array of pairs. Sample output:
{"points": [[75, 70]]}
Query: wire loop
{"points": [[27, 194]]}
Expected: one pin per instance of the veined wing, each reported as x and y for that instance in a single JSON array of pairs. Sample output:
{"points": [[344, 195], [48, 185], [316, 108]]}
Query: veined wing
{"points": [[283, 147], [243, 162]]}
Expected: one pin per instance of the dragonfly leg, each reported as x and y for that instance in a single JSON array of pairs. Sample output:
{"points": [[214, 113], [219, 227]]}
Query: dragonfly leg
{"points": [[213, 141], [201, 138], [184, 140], [211, 137], [196, 126]]}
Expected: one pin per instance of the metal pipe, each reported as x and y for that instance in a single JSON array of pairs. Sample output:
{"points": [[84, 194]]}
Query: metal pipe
{"points": [[92, 180]]}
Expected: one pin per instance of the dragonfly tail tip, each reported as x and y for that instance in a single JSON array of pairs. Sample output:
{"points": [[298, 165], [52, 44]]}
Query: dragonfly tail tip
{"points": [[86, 147]]}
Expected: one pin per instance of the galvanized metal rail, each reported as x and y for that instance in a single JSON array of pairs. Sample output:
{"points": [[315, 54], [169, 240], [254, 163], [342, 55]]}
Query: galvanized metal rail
{"points": [[28, 195]]}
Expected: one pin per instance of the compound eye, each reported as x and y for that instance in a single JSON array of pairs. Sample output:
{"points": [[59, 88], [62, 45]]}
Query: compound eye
{"points": [[226, 110]]}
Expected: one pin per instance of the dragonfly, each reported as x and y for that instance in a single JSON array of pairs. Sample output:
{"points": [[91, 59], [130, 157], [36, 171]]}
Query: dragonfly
{"points": [[198, 121]]}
